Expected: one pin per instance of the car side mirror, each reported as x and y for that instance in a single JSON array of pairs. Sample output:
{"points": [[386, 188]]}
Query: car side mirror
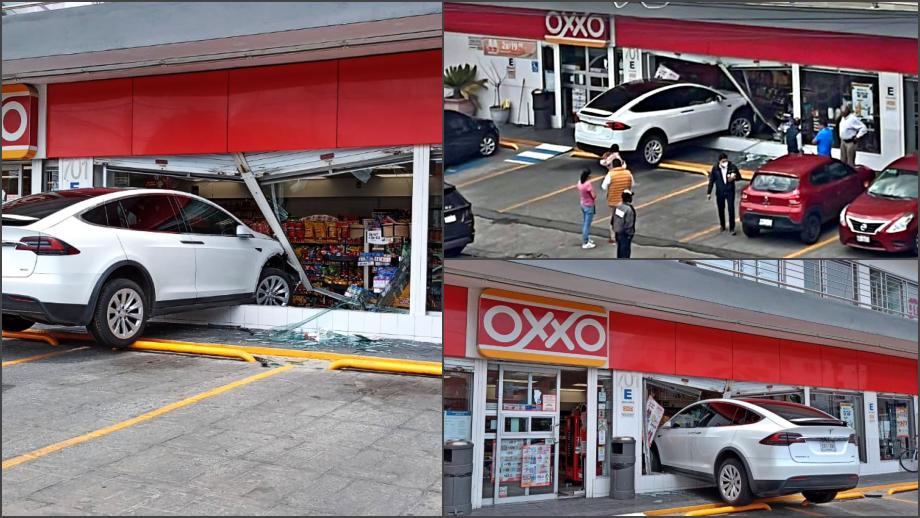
{"points": [[670, 424], [243, 232]]}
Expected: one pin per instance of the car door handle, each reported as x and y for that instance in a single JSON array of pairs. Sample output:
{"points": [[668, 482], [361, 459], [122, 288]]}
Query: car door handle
{"points": [[696, 433], [192, 242], [687, 111]]}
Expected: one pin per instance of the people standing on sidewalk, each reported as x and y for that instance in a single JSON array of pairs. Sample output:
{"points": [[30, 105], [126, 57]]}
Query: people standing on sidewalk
{"points": [[618, 179], [624, 225], [588, 200], [723, 176], [792, 135], [612, 154], [851, 130], [824, 139]]}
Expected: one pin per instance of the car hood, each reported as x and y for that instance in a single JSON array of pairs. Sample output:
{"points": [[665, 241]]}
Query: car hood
{"points": [[872, 207]]}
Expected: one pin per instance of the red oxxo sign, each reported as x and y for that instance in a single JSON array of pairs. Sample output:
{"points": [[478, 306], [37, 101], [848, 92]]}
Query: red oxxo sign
{"points": [[518, 326], [20, 122], [579, 28]]}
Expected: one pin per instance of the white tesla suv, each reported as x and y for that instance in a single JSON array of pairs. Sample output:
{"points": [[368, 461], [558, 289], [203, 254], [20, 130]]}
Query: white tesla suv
{"points": [[759, 447], [109, 259], [647, 116]]}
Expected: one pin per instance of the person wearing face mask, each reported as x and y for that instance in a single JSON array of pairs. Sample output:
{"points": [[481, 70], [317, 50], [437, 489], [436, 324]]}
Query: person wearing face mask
{"points": [[723, 176]]}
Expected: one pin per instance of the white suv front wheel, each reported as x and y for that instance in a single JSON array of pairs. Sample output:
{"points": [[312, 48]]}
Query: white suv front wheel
{"points": [[274, 288], [120, 314]]}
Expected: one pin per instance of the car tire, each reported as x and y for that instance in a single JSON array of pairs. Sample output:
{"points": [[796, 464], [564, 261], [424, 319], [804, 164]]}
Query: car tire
{"points": [[750, 230], [127, 304], [16, 324], [741, 124], [811, 229], [652, 147], [488, 145], [820, 497], [274, 288], [732, 483], [655, 462]]}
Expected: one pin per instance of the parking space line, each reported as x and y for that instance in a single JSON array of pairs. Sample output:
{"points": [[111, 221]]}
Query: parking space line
{"points": [[547, 195], [812, 247], [490, 175], [41, 452], [701, 233], [41, 356], [662, 198], [896, 499]]}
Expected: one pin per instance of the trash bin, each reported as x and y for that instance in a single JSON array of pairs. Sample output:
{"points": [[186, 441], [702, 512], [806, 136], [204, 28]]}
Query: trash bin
{"points": [[543, 104], [622, 472], [458, 477]]}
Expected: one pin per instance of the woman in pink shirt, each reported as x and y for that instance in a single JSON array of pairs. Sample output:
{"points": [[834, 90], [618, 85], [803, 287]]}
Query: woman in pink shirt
{"points": [[587, 196]]}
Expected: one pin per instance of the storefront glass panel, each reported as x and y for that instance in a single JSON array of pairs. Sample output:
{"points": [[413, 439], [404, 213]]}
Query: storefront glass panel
{"points": [[435, 269], [911, 115], [896, 431], [458, 404], [16, 180], [846, 406], [604, 422], [825, 92]]}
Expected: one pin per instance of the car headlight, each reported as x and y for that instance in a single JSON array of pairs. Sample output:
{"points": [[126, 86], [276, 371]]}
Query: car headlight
{"points": [[843, 215], [900, 224]]}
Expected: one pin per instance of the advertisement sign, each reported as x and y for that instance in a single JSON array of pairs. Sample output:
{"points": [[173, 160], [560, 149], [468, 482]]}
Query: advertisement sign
{"points": [[863, 106], [847, 414], [457, 425], [632, 65], [549, 403], [517, 326], [20, 122], [536, 465], [509, 460], [912, 307], [653, 414], [509, 48], [78, 172], [903, 428], [578, 28]]}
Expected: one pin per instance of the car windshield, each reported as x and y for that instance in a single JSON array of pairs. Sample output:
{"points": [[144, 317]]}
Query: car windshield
{"points": [[35, 207], [618, 97], [774, 182], [895, 183]]}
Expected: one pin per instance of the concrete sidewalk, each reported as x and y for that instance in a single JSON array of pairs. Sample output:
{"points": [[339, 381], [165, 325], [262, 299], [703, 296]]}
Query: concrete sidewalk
{"points": [[643, 502]]}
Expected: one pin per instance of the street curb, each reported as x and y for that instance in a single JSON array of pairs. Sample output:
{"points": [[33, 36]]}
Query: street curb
{"points": [[508, 144], [698, 168], [521, 141]]}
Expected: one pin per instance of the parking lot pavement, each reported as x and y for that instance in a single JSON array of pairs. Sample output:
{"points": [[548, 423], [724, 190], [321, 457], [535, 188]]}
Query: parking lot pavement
{"points": [[289, 439], [672, 213]]}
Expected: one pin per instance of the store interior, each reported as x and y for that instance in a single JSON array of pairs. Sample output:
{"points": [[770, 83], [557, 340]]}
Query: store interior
{"points": [[573, 432]]}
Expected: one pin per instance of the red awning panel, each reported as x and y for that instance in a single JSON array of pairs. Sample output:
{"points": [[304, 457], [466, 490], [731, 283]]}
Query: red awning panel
{"points": [[857, 51], [490, 20]]}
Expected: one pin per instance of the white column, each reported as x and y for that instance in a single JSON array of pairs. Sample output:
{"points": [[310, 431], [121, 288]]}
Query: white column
{"points": [[418, 278], [480, 371], [591, 439], [611, 66], [870, 417], [559, 118], [37, 175], [796, 91], [863, 281], [41, 152]]}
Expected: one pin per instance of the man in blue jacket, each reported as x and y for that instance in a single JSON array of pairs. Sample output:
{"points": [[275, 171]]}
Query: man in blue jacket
{"points": [[824, 139]]}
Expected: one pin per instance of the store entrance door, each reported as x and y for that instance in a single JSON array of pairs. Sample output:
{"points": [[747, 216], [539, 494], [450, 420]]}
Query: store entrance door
{"points": [[584, 77], [527, 435], [17, 180]]}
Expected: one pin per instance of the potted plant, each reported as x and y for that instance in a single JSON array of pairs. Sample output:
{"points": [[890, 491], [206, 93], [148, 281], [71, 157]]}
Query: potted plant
{"points": [[500, 111], [461, 79]]}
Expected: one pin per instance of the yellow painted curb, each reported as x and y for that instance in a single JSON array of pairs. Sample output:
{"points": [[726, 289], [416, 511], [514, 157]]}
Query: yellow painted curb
{"points": [[508, 144], [521, 141], [35, 337], [698, 168], [679, 510], [901, 489], [385, 365], [849, 495], [730, 509], [177, 347], [583, 154]]}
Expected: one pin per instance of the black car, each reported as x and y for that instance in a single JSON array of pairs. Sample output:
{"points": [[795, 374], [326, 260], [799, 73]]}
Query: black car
{"points": [[458, 221], [466, 137]]}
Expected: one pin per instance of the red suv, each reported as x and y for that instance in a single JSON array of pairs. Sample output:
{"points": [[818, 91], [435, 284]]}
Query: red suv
{"points": [[885, 217], [800, 193]]}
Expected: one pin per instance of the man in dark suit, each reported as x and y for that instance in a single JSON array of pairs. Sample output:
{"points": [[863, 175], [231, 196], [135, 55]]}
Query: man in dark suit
{"points": [[723, 176]]}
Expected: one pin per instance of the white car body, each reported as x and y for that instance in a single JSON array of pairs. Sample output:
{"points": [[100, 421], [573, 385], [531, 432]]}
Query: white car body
{"points": [[824, 457], [678, 123], [185, 270]]}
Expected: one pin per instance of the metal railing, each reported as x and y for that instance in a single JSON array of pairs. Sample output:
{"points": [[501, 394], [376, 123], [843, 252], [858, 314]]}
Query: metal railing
{"points": [[10, 8], [847, 282]]}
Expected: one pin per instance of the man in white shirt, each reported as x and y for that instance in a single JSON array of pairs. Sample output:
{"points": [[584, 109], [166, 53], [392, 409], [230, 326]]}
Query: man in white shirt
{"points": [[851, 130]]}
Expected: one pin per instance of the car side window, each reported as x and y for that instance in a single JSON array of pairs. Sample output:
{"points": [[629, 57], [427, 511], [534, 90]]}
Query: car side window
{"points": [[721, 414], [148, 212], [697, 96], [839, 171], [820, 176], [745, 416], [204, 218], [691, 417], [655, 102], [105, 215], [681, 97], [454, 123]]}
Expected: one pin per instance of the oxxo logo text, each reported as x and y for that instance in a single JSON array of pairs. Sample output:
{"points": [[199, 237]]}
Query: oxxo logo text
{"points": [[20, 121], [525, 327], [576, 25]]}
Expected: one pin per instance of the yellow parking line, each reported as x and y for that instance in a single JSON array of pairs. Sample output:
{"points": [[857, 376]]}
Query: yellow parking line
{"points": [[812, 248], [40, 356], [523, 141], [545, 196], [662, 198], [756, 506], [803, 511], [490, 175], [41, 452]]}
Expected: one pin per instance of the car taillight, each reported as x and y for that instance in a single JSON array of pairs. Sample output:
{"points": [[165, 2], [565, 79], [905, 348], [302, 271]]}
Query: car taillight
{"points": [[782, 439], [794, 199], [852, 438], [615, 125], [43, 245]]}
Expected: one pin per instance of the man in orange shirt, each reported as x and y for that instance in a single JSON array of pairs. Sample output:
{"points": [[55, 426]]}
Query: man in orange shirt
{"points": [[618, 179]]}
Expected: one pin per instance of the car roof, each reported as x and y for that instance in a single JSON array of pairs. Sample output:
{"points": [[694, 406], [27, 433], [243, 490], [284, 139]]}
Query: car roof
{"points": [[908, 162], [795, 164]]}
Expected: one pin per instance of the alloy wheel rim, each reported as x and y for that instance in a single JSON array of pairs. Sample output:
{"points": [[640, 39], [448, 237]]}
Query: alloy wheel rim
{"points": [[487, 146], [730, 482], [741, 128], [653, 151], [125, 313], [272, 291]]}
